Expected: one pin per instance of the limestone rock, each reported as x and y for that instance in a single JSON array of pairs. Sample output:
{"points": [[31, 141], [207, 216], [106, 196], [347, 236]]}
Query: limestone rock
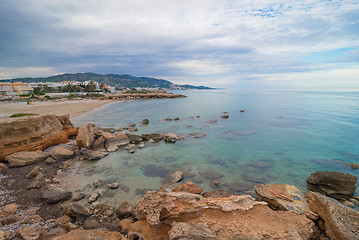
{"points": [[286, 198], [78, 211], [154, 136], [85, 136], [77, 196], [33, 173], [133, 129], [332, 183], [183, 231], [99, 143], [91, 224], [50, 160], [354, 165], [341, 222], [61, 154], [133, 138], [2, 167], [170, 137], [92, 155], [90, 235], [54, 232], [176, 176], [217, 194], [141, 145], [34, 133], [21, 159], [120, 140], [30, 233], [197, 134], [10, 219], [124, 210], [55, 195], [145, 121], [187, 187], [112, 185], [9, 209]]}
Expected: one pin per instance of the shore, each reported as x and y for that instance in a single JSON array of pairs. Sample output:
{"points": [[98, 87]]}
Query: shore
{"points": [[72, 107]]}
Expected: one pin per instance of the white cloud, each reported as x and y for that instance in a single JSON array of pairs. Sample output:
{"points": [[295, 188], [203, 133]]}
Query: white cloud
{"points": [[14, 72]]}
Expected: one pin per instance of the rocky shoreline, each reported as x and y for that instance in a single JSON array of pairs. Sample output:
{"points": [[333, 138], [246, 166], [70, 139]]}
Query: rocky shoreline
{"points": [[34, 206]]}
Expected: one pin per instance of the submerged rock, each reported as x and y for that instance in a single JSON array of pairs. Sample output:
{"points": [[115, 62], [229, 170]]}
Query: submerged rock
{"points": [[340, 221], [225, 116], [145, 121], [354, 165], [121, 139], [92, 155], [197, 134], [21, 159], [176, 176]]}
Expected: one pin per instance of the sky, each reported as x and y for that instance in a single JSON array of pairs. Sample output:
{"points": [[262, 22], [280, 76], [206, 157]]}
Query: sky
{"points": [[266, 43]]}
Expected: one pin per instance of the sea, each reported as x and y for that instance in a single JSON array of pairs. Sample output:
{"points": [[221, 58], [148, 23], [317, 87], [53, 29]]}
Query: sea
{"points": [[271, 136]]}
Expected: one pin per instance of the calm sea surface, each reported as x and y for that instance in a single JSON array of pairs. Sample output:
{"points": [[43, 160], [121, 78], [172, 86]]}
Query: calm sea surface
{"points": [[281, 137]]}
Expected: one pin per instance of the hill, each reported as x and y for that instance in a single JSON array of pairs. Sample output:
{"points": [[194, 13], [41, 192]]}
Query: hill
{"points": [[119, 80]]}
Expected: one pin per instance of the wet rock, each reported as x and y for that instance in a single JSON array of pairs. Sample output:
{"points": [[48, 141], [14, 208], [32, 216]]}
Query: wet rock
{"points": [[107, 136], [239, 186], [176, 176], [254, 178], [141, 145], [184, 231], [50, 160], [113, 185], [30, 233], [21, 159], [212, 121], [93, 197], [170, 137], [135, 139], [215, 183], [261, 165], [97, 183], [92, 155], [35, 184], [217, 194], [187, 187], [154, 136], [61, 154], [242, 111], [124, 210], [332, 183], [132, 125], [152, 170], [77, 211], [131, 150], [77, 196], [225, 116], [91, 224], [340, 222], [120, 140], [85, 136], [211, 174], [354, 165], [176, 119], [55, 195], [2, 167], [168, 119], [285, 198], [33, 173], [145, 121], [110, 130], [9, 209], [91, 235], [133, 129], [102, 210], [54, 232], [197, 134], [10, 219], [99, 143], [198, 116], [131, 146]]}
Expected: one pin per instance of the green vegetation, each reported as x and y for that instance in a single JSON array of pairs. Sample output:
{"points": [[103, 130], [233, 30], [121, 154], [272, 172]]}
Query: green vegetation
{"points": [[25, 95], [94, 95], [137, 91], [23, 115]]}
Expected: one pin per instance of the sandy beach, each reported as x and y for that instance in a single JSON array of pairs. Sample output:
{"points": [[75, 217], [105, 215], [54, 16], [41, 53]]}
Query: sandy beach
{"points": [[74, 108]]}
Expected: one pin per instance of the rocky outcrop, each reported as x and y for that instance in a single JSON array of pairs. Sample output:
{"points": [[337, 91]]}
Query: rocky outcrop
{"points": [[92, 155], [334, 184], [85, 136], [154, 136], [21, 159], [34, 133], [90, 235], [285, 198], [341, 222], [121, 139], [183, 215]]}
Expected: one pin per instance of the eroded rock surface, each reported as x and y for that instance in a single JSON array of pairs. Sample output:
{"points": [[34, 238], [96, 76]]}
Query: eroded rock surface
{"points": [[85, 136], [25, 158], [90, 235]]}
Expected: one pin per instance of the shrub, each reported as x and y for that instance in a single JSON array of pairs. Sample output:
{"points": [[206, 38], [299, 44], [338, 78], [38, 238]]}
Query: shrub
{"points": [[23, 115]]}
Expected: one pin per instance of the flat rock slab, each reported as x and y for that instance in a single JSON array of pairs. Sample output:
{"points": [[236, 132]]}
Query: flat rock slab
{"points": [[92, 155], [55, 195], [25, 158], [341, 222]]}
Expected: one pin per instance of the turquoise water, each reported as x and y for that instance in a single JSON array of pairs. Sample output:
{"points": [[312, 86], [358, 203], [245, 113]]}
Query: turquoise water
{"points": [[281, 137]]}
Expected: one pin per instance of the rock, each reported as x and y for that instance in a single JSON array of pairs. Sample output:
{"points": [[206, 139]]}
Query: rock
{"points": [[217, 194], [154, 136], [97, 183], [133, 129], [131, 146], [50, 160], [197, 134], [215, 183], [141, 145], [34, 172], [21, 159], [234, 217], [77, 196], [185, 231], [34, 133], [120, 140], [92, 155], [168, 119], [77, 211], [99, 143], [225, 116], [240, 186], [9, 209], [113, 185], [176, 119], [91, 224], [124, 225], [30, 233], [107, 136], [145, 121], [85, 136], [332, 183], [211, 174], [285, 198], [93, 197], [102, 210], [131, 150], [2, 167], [176, 176], [61, 154], [91, 235], [341, 222], [187, 187], [198, 116], [10, 219], [135, 139], [354, 165], [55, 195], [124, 210], [54, 232], [170, 137], [31, 219], [212, 121], [35, 184], [132, 125], [110, 130]]}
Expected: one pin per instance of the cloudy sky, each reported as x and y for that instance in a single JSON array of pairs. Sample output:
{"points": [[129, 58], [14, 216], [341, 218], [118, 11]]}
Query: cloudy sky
{"points": [[278, 43]]}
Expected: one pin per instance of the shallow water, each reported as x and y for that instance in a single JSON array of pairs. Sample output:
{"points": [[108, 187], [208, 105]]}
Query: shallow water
{"points": [[281, 137]]}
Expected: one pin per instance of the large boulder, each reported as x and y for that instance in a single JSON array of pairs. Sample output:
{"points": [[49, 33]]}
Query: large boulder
{"points": [[285, 198], [154, 136], [170, 137], [121, 139], [183, 215], [335, 184], [21, 159], [85, 136], [33, 133], [60, 153], [90, 235], [341, 222]]}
